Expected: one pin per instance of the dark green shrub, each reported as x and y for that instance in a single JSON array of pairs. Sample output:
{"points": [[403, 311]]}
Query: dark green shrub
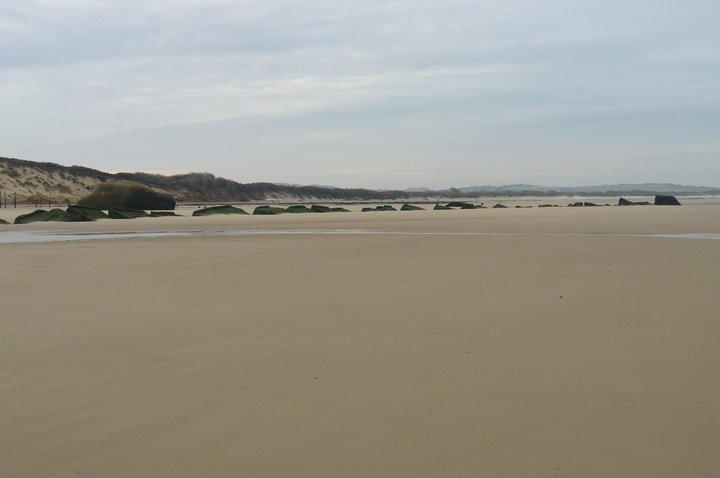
{"points": [[127, 195]]}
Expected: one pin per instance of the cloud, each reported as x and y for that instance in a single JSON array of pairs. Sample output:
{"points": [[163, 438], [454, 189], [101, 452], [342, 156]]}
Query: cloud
{"points": [[418, 86]]}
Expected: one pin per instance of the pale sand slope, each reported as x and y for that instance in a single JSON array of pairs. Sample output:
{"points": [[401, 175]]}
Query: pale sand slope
{"points": [[367, 356]]}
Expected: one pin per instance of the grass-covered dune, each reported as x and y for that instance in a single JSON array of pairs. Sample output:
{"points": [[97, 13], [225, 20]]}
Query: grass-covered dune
{"points": [[127, 195]]}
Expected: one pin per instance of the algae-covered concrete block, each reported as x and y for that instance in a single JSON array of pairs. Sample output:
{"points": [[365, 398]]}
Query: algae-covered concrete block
{"points": [[268, 210], [298, 209], [317, 208], [661, 200], [460, 204], [114, 213], [225, 209], [53, 215], [88, 212], [164, 214]]}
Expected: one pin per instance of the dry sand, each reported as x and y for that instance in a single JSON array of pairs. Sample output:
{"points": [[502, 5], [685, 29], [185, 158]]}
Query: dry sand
{"points": [[591, 354]]}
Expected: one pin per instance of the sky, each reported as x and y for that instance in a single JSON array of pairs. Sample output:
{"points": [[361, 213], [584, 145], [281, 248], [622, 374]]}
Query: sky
{"points": [[378, 94]]}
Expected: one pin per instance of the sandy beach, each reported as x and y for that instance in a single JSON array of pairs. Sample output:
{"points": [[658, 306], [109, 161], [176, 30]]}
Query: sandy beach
{"points": [[557, 342]]}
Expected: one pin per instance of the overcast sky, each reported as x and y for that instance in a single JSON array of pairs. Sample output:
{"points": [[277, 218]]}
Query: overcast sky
{"points": [[389, 94]]}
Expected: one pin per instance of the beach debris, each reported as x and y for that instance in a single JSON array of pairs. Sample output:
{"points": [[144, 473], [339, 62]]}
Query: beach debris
{"points": [[661, 200], [268, 210], [318, 208], [298, 209], [627, 202], [53, 215], [88, 212], [225, 209], [411, 207], [114, 213], [385, 207], [460, 204], [164, 214]]}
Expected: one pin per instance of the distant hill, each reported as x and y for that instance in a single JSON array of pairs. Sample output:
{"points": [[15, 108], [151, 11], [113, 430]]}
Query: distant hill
{"points": [[605, 190], [32, 181]]}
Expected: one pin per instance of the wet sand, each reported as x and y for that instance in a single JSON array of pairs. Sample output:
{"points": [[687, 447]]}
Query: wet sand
{"points": [[589, 354]]}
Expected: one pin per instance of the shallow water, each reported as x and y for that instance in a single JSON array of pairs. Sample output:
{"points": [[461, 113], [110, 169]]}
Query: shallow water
{"points": [[37, 236]]}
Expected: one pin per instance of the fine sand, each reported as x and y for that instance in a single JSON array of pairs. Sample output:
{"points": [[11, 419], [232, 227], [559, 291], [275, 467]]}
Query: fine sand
{"points": [[573, 343]]}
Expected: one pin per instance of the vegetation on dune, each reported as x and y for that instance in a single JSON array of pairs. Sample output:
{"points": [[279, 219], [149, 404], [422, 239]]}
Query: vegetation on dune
{"points": [[13, 164], [207, 187], [37, 182], [127, 195]]}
